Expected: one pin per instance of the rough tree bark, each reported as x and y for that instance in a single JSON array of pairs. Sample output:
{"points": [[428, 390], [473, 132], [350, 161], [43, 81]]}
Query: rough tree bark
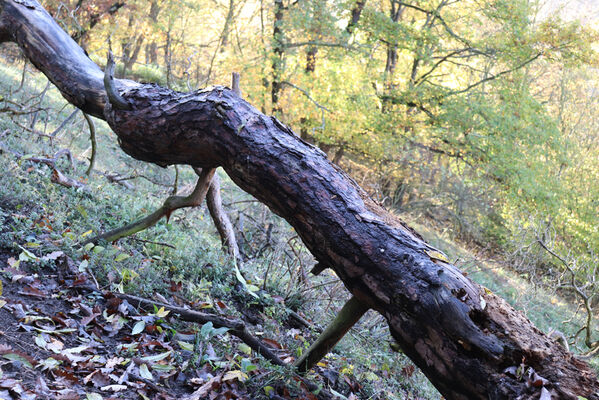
{"points": [[464, 338]]}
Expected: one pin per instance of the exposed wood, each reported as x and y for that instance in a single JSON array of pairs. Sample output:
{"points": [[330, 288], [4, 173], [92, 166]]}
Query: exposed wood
{"points": [[464, 338], [221, 219]]}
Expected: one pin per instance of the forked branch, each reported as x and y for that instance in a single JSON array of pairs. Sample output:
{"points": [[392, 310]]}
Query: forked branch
{"points": [[170, 204]]}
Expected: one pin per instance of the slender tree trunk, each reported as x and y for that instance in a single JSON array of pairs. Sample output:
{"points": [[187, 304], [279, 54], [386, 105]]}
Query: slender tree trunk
{"points": [[227, 28], [277, 64], [466, 340], [132, 57], [391, 62], [152, 48], [356, 12], [126, 44], [168, 55], [311, 59], [152, 53]]}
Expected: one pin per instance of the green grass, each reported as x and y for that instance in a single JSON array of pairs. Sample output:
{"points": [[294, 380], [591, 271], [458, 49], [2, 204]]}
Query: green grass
{"points": [[45, 217]]}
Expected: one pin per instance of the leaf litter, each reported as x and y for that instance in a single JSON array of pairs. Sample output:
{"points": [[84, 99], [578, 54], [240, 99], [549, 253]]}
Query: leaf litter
{"points": [[60, 338]]}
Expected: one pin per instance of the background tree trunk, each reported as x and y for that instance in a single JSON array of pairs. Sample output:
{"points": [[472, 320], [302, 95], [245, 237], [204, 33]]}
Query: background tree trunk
{"points": [[467, 341], [278, 59]]}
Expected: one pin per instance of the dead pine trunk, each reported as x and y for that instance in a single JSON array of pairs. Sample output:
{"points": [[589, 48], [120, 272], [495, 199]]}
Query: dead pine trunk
{"points": [[464, 338]]}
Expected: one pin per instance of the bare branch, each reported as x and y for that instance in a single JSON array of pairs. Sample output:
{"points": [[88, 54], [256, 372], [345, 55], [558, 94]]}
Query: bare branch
{"points": [[114, 98]]}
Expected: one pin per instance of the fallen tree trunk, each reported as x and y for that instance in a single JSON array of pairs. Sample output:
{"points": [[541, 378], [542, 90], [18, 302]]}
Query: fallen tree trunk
{"points": [[467, 341]]}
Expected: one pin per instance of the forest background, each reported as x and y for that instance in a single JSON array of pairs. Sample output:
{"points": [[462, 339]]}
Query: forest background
{"points": [[477, 119], [478, 114]]}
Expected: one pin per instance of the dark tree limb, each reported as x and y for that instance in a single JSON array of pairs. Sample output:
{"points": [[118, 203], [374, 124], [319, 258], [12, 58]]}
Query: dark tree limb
{"points": [[194, 199], [236, 327], [351, 313], [464, 338]]}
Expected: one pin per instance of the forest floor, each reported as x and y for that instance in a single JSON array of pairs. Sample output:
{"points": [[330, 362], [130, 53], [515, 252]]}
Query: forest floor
{"points": [[64, 338], [65, 333]]}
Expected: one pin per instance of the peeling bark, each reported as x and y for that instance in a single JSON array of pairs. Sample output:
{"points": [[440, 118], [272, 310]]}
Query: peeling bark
{"points": [[464, 338]]}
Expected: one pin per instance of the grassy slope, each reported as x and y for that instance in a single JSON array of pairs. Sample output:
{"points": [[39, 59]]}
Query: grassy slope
{"points": [[51, 217], [197, 260]]}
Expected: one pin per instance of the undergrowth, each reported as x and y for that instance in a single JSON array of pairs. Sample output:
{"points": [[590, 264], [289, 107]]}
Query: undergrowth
{"points": [[184, 252]]}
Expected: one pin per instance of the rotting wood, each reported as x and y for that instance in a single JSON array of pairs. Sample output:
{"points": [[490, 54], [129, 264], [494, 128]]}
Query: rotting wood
{"points": [[463, 337]]}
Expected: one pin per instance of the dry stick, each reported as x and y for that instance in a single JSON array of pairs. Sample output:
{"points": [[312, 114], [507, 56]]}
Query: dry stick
{"points": [[22, 76], [153, 242], [92, 138], [302, 321], [41, 99], [57, 176], [118, 178], [351, 312], [64, 123], [236, 327], [34, 131], [221, 220], [170, 204]]}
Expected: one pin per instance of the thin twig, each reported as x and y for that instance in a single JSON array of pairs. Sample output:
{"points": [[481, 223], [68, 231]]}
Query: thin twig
{"points": [[64, 123], [92, 138], [305, 93], [152, 242]]}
